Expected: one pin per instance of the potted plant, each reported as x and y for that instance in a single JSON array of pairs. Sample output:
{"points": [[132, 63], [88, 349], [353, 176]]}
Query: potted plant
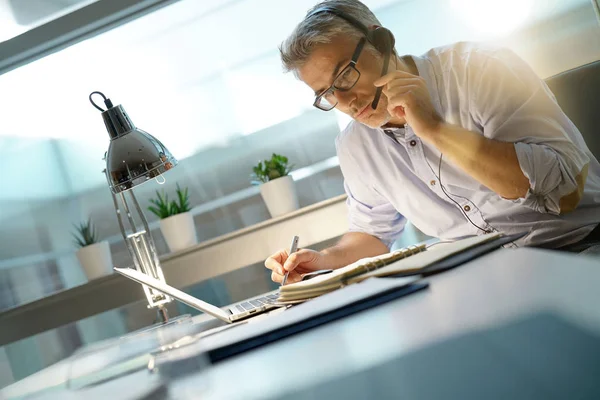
{"points": [[93, 255], [176, 221], [276, 185]]}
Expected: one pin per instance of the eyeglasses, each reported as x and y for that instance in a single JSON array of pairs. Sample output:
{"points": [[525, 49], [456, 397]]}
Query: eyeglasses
{"points": [[343, 82]]}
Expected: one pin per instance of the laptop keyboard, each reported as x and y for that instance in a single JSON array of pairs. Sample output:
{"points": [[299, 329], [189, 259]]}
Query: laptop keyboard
{"points": [[255, 303]]}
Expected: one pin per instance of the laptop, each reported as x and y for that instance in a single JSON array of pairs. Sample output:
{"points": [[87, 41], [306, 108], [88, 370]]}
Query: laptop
{"points": [[229, 314]]}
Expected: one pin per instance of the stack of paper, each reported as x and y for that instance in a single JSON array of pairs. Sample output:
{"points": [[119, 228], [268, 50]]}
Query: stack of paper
{"points": [[408, 260]]}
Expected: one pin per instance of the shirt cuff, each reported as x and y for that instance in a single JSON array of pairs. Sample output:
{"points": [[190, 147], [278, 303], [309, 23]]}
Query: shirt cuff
{"points": [[533, 201], [541, 167]]}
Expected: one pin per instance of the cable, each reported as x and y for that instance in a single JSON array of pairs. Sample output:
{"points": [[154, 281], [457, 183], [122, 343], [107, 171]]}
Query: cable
{"points": [[439, 178], [107, 101], [455, 202]]}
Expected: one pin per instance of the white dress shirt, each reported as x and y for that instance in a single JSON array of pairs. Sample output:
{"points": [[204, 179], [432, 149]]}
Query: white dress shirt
{"points": [[390, 175]]}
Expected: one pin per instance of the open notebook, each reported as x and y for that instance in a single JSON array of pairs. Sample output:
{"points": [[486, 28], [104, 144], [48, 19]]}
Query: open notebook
{"points": [[408, 260]]}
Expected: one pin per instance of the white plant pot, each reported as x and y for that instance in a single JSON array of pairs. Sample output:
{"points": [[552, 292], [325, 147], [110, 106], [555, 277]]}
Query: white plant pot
{"points": [[179, 231], [95, 260], [280, 195]]}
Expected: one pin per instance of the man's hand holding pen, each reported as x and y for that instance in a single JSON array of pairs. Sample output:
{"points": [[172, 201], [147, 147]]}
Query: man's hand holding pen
{"points": [[295, 264]]}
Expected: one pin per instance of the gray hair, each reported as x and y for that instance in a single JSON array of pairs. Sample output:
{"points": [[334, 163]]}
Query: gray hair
{"points": [[322, 28]]}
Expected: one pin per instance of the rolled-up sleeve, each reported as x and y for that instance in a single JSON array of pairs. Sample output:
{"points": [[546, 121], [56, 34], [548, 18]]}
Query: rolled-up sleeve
{"points": [[513, 105], [555, 186], [368, 211]]}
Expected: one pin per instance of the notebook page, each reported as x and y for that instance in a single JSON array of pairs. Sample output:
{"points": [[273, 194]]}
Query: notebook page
{"points": [[341, 274], [322, 280]]}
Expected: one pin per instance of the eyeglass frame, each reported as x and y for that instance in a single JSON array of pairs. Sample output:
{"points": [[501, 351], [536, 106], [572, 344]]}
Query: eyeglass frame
{"points": [[352, 64]]}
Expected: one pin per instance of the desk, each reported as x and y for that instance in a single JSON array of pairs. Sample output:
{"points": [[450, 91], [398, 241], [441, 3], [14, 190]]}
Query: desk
{"points": [[484, 293]]}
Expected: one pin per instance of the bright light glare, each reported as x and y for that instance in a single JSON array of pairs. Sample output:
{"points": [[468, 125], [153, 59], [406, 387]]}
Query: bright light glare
{"points": [[493, 17], [8, 29], [264, 96]]}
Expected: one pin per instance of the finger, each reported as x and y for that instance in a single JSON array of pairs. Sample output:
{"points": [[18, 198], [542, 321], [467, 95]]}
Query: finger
{"points": [[275, 277], [274, 266], [399, 90], [275, 262], [397, 110], [393, 75], [405, 99], [297, 258], [399, 103], [293, 277]]}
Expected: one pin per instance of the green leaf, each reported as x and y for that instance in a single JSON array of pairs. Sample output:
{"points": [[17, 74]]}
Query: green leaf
{"points": [[163, 208], [183, 196], [267, 170], [85, 234]]}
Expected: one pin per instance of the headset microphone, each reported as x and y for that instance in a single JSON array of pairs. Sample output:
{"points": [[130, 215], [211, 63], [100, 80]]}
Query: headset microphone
{"points": [[384, 40]]}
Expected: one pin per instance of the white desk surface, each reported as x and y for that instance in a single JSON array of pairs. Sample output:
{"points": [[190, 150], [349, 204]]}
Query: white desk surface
{"points": [[487, 292]]}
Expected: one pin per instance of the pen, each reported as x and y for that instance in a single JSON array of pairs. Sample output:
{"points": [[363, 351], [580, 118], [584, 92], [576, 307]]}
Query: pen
{"points": [[293, 248]]}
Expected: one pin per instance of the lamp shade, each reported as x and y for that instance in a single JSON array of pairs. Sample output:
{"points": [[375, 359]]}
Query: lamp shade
{"points": [[133, 156]]}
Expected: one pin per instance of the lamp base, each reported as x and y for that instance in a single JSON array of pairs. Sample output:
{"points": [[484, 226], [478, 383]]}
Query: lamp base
{"points": [[158, 324], [162, 314]]}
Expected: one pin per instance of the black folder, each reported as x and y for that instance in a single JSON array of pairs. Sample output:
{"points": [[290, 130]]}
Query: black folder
{"points": [[458, 259], [327, 308]]}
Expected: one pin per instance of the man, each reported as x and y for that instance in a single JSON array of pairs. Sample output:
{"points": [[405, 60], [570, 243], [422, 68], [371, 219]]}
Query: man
{"points": [[465, 140]]}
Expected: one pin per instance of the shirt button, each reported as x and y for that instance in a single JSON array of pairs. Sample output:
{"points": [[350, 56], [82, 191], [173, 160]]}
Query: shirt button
{"points": [[413, 143], [467, 208], [432, 183]]}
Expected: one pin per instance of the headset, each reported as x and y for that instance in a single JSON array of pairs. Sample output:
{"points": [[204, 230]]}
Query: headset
{"points": [[381, 38]]}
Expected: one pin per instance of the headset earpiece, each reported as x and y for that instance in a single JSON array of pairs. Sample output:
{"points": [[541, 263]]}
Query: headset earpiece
{"points": [[382, 39]]}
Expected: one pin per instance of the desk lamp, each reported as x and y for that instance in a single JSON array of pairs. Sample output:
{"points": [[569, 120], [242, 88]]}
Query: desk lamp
{"points": [[135, 157]]}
